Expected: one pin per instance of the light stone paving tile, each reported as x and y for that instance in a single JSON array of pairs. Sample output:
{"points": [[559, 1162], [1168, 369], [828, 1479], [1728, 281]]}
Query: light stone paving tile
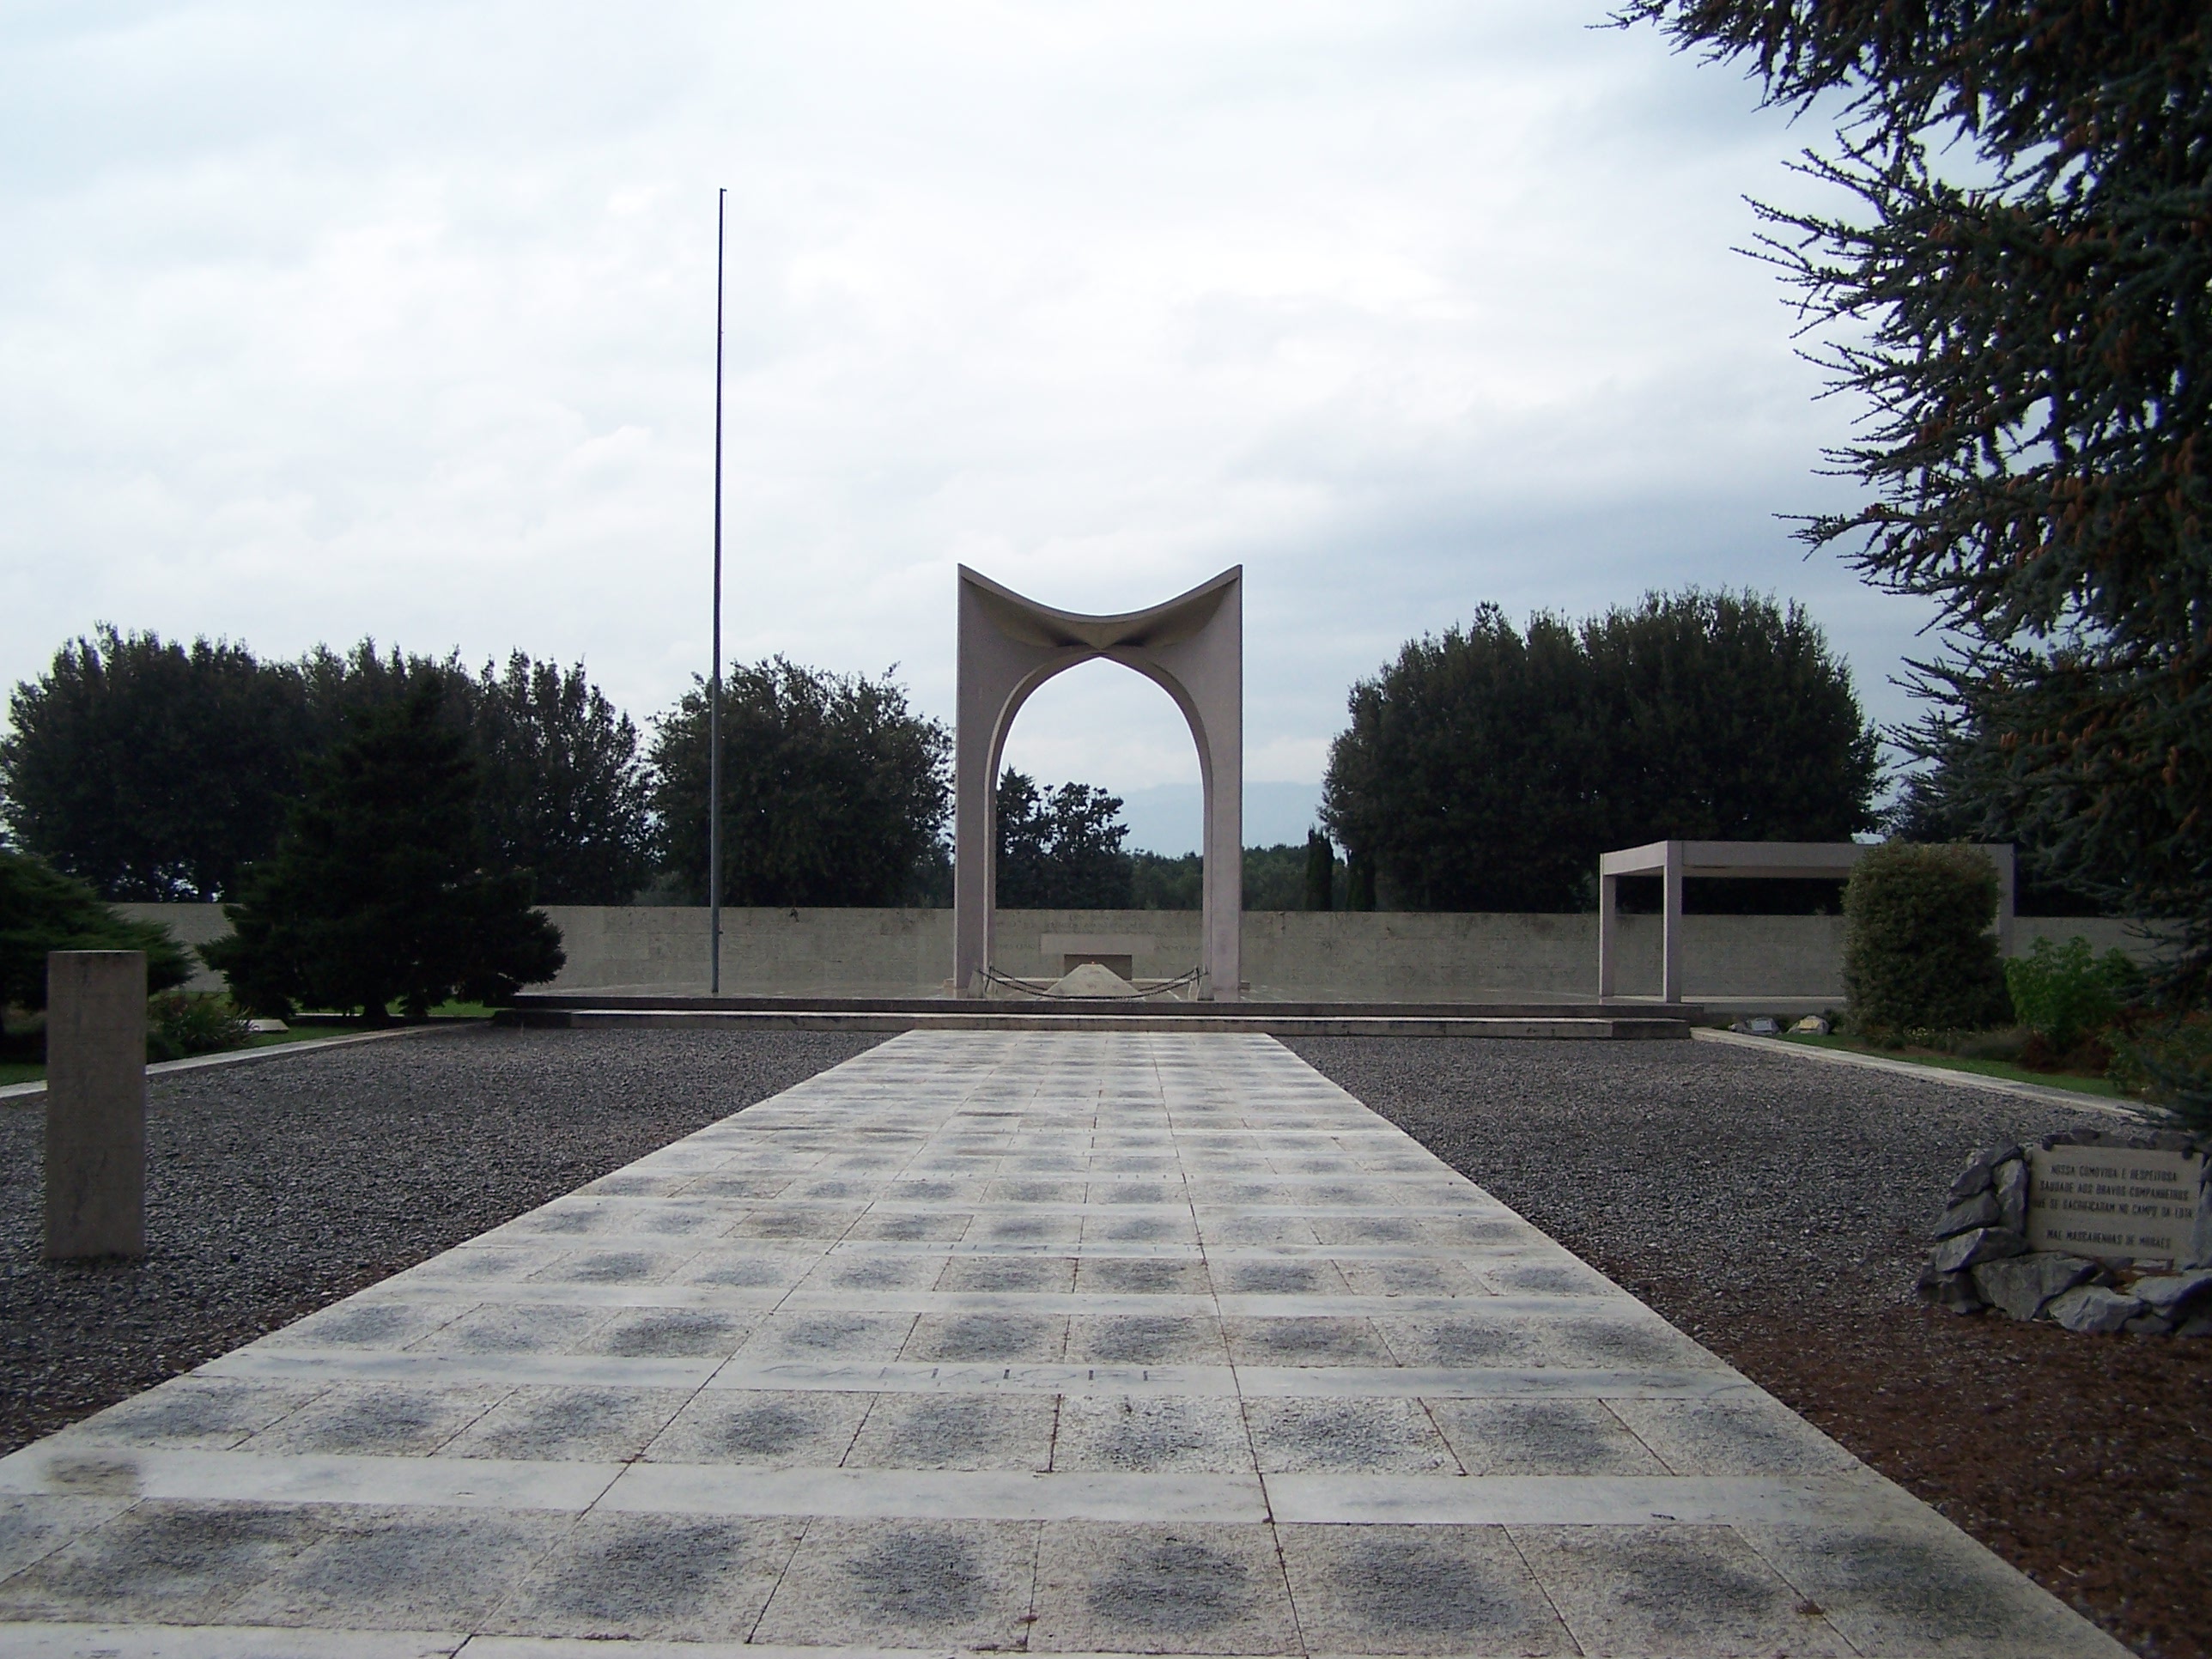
{"points": [[764, 1429], [1028, 1338], [271, 1362], [28, 1640], [1429, 1590], [1148, 1339]]}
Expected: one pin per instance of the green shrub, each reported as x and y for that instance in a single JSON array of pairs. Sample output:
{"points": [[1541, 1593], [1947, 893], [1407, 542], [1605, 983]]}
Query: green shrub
{"points": [[2064, 994], [43, 910], [179, 1026], [1917, 952]]}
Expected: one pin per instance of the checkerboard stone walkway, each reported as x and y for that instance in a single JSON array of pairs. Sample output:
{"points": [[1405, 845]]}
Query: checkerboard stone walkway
{"points": [[983, 1341]]}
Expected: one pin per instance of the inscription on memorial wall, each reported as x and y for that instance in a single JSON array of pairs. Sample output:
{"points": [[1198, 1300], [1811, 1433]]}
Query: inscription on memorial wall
{"points": [[2112, 1201]]}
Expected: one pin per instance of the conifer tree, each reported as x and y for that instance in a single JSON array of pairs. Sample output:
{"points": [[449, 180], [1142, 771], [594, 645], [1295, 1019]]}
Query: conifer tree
{"points": [[376, 892]]}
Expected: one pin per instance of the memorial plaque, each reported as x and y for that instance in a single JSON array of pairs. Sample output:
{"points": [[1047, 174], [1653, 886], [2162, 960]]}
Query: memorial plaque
{"points": [[2115, 1202]]}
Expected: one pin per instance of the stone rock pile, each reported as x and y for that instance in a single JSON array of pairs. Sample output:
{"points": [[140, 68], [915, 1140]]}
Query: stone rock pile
{"points": [[1982, 1260]]}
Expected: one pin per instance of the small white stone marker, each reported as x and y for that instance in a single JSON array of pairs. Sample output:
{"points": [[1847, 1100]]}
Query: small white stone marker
{"points": [[95, 1103]]}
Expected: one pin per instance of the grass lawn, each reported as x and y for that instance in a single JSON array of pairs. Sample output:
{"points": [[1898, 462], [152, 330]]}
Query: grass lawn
{"points": [[2003, 1068], [31, 1070]]}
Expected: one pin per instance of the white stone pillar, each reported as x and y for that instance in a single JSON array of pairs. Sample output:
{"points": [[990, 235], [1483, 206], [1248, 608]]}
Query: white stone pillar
{"points": [[95, 1103], [1670, 942]]}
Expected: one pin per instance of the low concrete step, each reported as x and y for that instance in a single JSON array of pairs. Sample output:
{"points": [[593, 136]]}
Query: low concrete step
{"points": [[1240, 1018]]}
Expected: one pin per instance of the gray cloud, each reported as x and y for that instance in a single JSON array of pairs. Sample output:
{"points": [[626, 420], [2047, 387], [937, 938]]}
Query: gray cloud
{"points": [[330, 320]]}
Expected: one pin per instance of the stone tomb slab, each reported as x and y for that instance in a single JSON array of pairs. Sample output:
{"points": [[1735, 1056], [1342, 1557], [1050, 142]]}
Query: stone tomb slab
{"points": [[1078, 1344]]}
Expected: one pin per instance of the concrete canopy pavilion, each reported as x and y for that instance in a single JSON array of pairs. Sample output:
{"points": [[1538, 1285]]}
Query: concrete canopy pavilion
{"points": [[1673, 861], [1192, 647]]}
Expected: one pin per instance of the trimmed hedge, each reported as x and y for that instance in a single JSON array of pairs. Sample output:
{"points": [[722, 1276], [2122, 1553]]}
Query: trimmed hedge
{"points": [[1918, 952]]}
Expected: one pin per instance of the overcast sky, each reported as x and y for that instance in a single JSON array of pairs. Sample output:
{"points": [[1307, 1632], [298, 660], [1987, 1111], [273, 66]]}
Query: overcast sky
{"points": [[397, 320]]}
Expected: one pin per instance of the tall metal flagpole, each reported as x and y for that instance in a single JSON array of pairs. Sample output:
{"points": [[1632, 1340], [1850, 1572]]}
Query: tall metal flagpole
{"points": [[714, 674]]}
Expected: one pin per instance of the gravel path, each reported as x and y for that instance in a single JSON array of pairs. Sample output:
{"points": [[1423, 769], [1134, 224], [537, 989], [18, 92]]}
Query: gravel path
{"points": [[1777, 1210], [275, 1189]]}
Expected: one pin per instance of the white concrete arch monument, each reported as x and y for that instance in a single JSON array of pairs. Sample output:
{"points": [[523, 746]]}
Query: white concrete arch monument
{"points": [[1192, 647]]}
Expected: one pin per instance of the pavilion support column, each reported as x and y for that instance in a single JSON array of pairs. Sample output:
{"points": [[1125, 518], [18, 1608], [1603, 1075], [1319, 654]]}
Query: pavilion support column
{"points": [[1608, 933], [1670, 937]]}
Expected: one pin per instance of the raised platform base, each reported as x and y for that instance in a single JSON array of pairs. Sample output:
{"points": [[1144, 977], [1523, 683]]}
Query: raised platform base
{"points": [[1459, 1019]]}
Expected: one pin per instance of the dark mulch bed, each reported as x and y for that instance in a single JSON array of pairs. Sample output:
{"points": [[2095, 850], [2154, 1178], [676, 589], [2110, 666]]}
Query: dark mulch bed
{"points": [[1775, 1208], [274, 1189]]}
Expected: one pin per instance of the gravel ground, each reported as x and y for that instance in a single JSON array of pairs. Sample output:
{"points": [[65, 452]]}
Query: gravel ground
{"points": [[277, 1187], [1776, 1210]]}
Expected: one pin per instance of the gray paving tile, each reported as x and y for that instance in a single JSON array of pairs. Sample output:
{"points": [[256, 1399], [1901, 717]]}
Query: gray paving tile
{"points": [[576, 1425], [1030, 1275], [663, 1333], [514, 1328], [202, 1412], [1544, 1437], [653, 1577], [1458, 1590], [986, 1335], [1147, 1339], [1152, 1433], [1305, 1342], [1192, 1589], [33, 1528], [1688, 1592], [762, 1430], [956, 1431], [1371, 1435], [1925, 1590], [400, 1568], [1752, 1435], [905, 1584], [389, 1419], [828, 1336], [163, 1563]]}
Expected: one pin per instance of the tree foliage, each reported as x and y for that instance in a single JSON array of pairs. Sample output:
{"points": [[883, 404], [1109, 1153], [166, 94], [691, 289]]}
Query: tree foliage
{"points": [[1060, 849], [150, 769], [377, 892], [564, 791], [155, 770], [1486, 769], [2024, 297], [42, 910], [834, 792]]}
